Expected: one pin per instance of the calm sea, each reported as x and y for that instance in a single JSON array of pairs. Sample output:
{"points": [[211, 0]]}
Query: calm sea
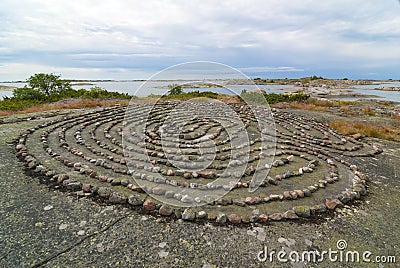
{"points": [[143, 89]]}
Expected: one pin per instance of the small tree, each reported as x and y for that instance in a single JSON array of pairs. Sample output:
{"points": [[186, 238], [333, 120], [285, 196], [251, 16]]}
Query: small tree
{"points": [[175, 89], [48, 83]]}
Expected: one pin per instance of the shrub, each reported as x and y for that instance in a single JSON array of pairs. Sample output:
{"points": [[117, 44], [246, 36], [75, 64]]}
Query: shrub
{"points": [[191, 95], [155, 96], [25, 97], [272, 98], [314, 77], [175, 89], [25, 93]]}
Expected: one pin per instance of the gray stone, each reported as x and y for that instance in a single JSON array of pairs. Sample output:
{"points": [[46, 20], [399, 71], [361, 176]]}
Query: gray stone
{"points": [[221, 218], [360, 189], [50, 173], [299, 193], [286, 195], [158, 191], [187, 199], [320, 208], [224, 202], [62, 177], [202, 215], [178, 213], [239, 202], [32, 165], [74, 186], [117, 198], [125, 182], [344, 197], [166, 210], [272, 181], [274, 197], [307, 192], [188, 215], [116, 182], [290, 214], [104, 192], [169, 194], [135, 200]]}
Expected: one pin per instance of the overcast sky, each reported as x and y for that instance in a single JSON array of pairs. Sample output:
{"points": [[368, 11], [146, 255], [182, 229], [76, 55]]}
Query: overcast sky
{"points": [[124, 39]]}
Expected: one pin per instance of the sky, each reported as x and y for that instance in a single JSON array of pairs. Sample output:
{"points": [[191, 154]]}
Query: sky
{"points": [[122, 39]]}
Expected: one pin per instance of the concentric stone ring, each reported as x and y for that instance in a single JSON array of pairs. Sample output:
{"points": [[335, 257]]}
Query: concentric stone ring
{"points": [[223, 164]]}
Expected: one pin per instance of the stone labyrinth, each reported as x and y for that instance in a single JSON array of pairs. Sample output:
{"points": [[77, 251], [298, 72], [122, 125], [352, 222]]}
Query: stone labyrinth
{"points": [[206, 168]]}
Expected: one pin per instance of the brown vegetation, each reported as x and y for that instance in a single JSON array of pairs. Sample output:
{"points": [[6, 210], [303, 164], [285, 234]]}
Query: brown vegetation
{"points": [[368, 111], [366, 128], [68, 104], [316, 104]]}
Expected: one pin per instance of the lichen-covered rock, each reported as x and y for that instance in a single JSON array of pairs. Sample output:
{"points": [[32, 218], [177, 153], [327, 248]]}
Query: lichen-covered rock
{"points": [[318, 209], [135, 200], [302, 211]]}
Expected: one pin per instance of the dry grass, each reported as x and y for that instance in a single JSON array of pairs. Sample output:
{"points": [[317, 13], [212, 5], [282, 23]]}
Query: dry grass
{"points": [[367, 129], [396, 117], [368, 111], [300, 106], [316, 105], [6, 113], [69, 104]]}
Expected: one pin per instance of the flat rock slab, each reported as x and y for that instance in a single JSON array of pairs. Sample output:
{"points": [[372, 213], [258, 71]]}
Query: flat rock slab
{"points": [[113, 236]]}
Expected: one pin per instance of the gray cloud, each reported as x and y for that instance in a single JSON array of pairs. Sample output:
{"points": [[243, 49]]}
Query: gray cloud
{"points": [[118, 38]]}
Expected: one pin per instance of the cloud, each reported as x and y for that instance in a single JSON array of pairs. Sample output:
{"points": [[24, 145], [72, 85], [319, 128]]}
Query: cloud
{"points": [[313, 36], [270, 69]]}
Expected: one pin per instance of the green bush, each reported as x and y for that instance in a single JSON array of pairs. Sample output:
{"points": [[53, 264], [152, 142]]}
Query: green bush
{"points": [[11, 104], [155, 96], [314, 77], [98, 92], [175, 89], [271, 98], [191, 95], [25, 93], [26, 97]]}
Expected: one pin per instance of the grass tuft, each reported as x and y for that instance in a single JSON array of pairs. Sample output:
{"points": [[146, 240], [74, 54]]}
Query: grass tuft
{"points": [[367, 129]]}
